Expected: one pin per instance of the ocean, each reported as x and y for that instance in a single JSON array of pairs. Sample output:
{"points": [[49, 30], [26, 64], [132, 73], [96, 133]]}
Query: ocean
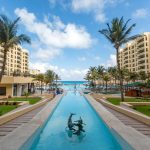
{"points": [[72, 85], [72, 82]]}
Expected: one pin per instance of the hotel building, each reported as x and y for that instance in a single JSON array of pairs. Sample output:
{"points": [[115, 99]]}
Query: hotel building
{"points": [[135, 55], [17, 60], [13, 83]]}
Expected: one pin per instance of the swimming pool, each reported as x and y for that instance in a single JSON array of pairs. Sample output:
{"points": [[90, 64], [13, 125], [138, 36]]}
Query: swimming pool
{"points": [[54, 136]]}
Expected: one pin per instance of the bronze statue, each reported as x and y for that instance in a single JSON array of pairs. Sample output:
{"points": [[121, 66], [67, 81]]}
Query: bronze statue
{"points": [[70, 124], [76, 128]]}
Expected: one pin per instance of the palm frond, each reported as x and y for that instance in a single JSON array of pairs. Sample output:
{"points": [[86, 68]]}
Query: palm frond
{"points": [[8, 32], [117, 32]]}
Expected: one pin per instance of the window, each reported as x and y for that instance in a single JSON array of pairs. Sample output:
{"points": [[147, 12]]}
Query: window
{"points": [[2, 90]]}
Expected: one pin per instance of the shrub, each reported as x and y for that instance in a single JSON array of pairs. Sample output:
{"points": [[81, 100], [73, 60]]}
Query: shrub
{"points": [[14, 103], [6, 103], [26, 94], [9, 96]]}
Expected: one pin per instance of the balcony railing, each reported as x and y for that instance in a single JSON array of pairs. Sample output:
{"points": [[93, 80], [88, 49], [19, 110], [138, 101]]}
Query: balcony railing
{"points": [[141, 40], [141, 62], [142, 45], [141, 56]]}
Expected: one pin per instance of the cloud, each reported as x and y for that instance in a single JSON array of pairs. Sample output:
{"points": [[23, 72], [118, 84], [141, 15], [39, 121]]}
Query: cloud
{"points": [[46, 54], [66, 74], [55, 34], [52, 36], [140, 13], [111, 61], [82, 58], [97, 58], [96, 7]]}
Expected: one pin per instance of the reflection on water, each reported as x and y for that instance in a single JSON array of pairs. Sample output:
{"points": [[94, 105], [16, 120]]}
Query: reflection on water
{"points": [[74, 138]]}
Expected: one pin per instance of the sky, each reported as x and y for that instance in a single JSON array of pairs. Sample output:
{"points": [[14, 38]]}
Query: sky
{"points": [[65, 35]]}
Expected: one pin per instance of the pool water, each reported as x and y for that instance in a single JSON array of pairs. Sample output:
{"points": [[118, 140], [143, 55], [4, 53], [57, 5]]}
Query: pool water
{"points": [[55, 137]]}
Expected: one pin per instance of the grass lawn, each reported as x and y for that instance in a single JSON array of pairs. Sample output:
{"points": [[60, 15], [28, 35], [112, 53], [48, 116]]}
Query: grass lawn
{"points": [[143, 109], [116, 101], [6, 108], [32, 100]]}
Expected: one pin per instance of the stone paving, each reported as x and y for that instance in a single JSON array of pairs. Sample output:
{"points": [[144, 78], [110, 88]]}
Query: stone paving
{"points": [[139, 126], [137, 140], [10, 126]]}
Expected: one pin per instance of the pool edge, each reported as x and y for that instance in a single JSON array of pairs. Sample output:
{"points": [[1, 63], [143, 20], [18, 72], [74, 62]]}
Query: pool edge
{"points": [[24, 132], [134, 138]]}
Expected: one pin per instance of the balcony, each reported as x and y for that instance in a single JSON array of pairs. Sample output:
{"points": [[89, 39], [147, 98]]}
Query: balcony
{"points": [[141, 67], [18, 57], [18, 49], [125, 62], [18, 66], [140, 46], [126, 53], [1, 56], [141, 62], [19, 61], [18, 53], [141, 56], [140, 40], [141, 51]]}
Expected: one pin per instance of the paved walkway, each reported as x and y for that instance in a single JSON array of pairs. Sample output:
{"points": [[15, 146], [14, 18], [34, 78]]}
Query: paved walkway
{"points": [[10, 126], [139, 126]]}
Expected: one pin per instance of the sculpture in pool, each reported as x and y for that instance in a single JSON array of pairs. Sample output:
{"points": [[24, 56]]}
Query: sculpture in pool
{"points": [[75, 127]]}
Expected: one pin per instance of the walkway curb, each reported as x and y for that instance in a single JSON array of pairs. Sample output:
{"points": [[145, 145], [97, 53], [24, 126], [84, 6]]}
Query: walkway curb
{"points": [[134, 138], [18, 138]]}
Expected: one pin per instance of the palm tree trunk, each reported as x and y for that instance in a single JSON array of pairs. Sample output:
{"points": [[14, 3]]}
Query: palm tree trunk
{"points": [[120, 76], [41, 88], [106, 87], [3, 65], [49, 87]]}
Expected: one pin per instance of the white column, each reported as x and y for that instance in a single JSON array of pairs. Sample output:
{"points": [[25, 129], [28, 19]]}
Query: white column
{"points": [[19, 89]]}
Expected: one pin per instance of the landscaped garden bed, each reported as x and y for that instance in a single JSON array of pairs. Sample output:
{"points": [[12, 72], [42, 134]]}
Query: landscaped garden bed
{"points": [[143, 109], [6, 108], [31, 100], [140, 107], [117, 101], [10, 104]]}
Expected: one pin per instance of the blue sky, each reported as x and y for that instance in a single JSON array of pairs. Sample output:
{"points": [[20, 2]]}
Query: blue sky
{"points": [[65, 34]]}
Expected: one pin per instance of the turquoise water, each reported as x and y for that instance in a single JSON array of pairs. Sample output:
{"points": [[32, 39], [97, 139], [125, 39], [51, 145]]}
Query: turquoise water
{"points": [[71, 85], [73, 82], [55, 137]]}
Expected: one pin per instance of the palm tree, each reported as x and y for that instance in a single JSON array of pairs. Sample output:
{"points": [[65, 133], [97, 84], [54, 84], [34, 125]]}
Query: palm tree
{"points": [[49, 77], [9, 38], [133, 76], [143, 76], [117, 32], [40, 78], [87, 76], [112, 72], [100, 71], [106, 78], [93, 75], [56, 77]]}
